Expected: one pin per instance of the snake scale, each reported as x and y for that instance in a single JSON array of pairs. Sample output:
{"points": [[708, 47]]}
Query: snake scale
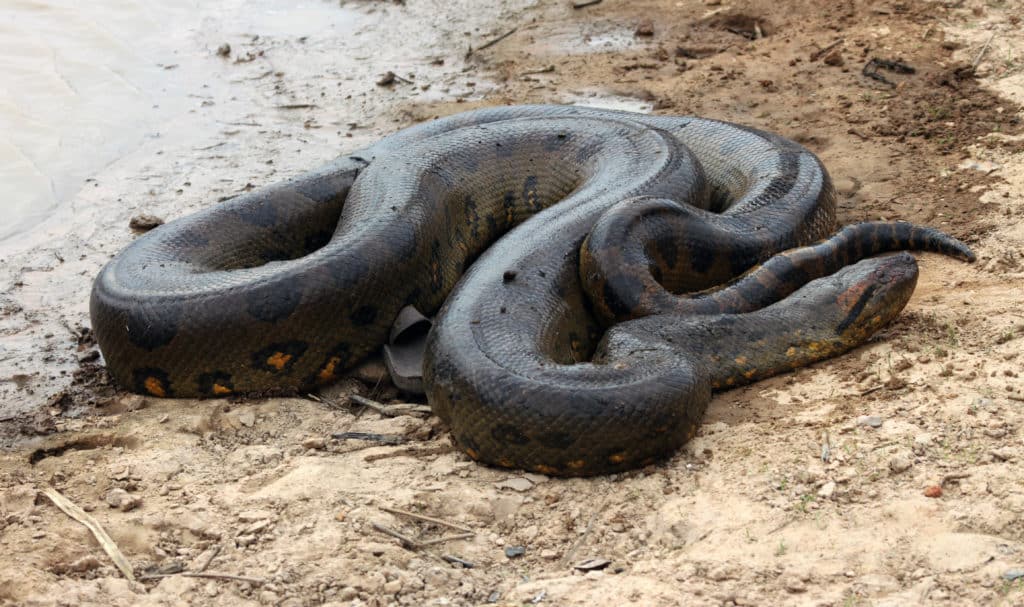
{"points": [[527, 230]]}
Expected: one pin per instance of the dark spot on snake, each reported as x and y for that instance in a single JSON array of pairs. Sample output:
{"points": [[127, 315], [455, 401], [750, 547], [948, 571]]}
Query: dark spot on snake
{"points": [[151, 327], [556, 440], [279, 357], [668, 252], [363, 315], [507, 433], [273, 301], [151, 380], [616, 291], [508, 276], [856, 309], [790, 274], [217, 383], [741, 259], [701, 256], [656, 273]]}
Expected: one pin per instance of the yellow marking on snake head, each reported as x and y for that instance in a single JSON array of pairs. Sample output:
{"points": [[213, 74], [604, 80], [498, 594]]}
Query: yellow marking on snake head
{"points": [[617, 458], [155, 387], [220, 389], [545, 469], [278, 360], [741, 360], [327, 373]]}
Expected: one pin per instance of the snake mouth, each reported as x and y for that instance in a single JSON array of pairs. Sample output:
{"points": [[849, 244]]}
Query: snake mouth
{"points": [[873, 292]]}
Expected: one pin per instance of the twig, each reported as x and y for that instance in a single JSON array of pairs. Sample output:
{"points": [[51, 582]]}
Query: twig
{"points": [[389, 410], [585, 4], [870, 390], [427, 519], [407, 542], [492, 42], [386, 439], [449, 538], [206, 563], [457, 561], [981, 53], [818, 54], [586, 532], [213, 576], [826, 447], [295, 106], [71, 509], [411, 451], [544, 70], [956, 476]]}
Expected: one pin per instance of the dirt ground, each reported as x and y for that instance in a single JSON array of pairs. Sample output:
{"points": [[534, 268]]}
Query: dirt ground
{"points": [[890, 476]]}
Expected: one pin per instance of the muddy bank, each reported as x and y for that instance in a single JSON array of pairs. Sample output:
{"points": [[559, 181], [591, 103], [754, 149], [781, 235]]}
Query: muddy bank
{"points": [[888, 476]]}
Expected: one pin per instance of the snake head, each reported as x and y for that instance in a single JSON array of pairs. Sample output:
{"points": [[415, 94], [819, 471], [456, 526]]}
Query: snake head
{"points": [[872, 292]]}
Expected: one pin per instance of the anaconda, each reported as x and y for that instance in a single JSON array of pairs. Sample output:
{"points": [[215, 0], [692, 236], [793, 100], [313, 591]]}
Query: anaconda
{"points": [[480, 217]]}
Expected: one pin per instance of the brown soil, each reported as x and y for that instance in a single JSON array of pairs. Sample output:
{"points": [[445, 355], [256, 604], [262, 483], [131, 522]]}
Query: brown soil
{"points": [[792, 493]]}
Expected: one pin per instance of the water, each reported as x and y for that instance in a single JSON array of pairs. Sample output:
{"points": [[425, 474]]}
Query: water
{"points": [[83, 83]]}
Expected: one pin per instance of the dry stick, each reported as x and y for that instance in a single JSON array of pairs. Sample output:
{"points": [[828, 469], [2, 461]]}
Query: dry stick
{"points": [[213, 576], [491, 43], [427, 519], [71, 509], [586, 532], [386, 410], [410, 451], [206, 564], [818, 54], [981, 54], [585, 4], [407, 542], [450, 538]]}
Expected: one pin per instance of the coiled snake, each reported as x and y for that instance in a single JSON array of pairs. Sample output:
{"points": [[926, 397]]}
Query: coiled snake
{"points": [[288, 286]]}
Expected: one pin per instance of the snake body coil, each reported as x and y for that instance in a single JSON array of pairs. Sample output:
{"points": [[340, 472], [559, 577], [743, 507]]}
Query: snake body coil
{"points": [[288, 286]]}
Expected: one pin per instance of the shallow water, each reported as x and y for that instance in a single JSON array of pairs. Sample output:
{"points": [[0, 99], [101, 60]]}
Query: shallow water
{"points": [[83, 83]]}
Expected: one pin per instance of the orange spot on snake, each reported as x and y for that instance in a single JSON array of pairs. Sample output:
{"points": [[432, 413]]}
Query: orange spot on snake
{"points": [[472, 454], [544, 469], [278, 360], [617, 458], [155, 387], [750, 374], [221, 390], [327, 373], [741, 360], [576, 464], [505, 462], [791, 352]]}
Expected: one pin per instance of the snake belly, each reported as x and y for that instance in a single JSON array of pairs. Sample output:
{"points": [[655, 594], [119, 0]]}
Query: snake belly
{"points": [[288, 286]]}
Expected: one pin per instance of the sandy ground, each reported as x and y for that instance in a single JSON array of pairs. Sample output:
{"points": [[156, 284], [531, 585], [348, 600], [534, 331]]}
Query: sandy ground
{"points": [[890, 476]]}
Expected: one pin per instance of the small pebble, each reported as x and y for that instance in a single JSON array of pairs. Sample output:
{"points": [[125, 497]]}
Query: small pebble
{"points": [[933, 491], [144, 223], [224, 50], [900, 463], [872, 421], [646, 28], [827, 490], [314, 442], [1013, 574], [514, 551]]}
